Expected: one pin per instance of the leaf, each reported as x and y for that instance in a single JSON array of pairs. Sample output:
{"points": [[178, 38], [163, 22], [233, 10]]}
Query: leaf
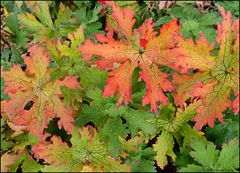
{"points": [[232, 6], [31, 166], [216, 76], [7, 160], [68, 58], [183, 158], [86, 150], [174, 125], [209, 159], [88, 17], [140, 48], [39, 23], [11, 161], [103, 113], [193, 168], [229, 158], [164, 148], [34, 85], [193, 21], [162, 20], [206, 156], [138, 120], [142, 160], [110, 132], [221, 133], [29, 21], [19, 36]]}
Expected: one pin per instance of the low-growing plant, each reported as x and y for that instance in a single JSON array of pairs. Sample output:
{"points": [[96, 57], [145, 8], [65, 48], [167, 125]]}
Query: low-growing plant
{"points": [[125, 86]]}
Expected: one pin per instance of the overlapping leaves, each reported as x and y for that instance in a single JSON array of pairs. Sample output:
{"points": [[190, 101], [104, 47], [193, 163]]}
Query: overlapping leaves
{"points": [[174, 126], [208, 158], [135, 48], [119, 138], [87, 153], [216, 76]]}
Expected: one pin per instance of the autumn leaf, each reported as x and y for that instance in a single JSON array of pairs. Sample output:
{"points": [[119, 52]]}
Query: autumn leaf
{"points": [[216, 76], [136, 48], [33, 86], [7, 159], [86, 153], [11, 161], [18, 155]]}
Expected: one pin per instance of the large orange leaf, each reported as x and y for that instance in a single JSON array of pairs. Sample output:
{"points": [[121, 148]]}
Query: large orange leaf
{"points": [[34, 86], [134, 48], [216, 76]]}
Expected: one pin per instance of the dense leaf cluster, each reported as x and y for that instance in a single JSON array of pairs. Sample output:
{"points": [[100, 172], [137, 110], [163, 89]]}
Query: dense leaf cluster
{"points": [[124, 86]]}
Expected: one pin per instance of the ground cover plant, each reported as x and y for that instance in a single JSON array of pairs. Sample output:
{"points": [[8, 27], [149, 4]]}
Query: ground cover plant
{"points": [[119, 86]]}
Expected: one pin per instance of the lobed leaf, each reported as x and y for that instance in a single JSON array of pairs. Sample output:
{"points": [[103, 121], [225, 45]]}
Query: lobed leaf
{"points": [[34, 85]]}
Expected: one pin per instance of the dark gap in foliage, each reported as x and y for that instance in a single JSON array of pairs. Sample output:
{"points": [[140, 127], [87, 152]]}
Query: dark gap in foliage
{"points": [[54, 130], [169, 168], [29, 105], [90, 123], [19, 168], [128, 137], [85, 102], [123, 120], [23, 67], [152, 141]]}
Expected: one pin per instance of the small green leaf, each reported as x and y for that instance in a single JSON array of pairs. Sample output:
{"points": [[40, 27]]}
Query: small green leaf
{"points": [[112, 129]]}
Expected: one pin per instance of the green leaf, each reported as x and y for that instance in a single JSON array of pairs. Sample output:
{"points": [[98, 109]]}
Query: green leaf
{"points": [[221, 133], [30, 23], [90, 114], [19, 36], [3, 96], [193, 22], [206, 155], [163, 20], [30, 165], [143, 166], [71, 97], [63, 16], [12, 23], [182, 117], [110, 132], [229, 156], [164, 148], [142, 160], [92, 77], [193, 168], [138, 120], [207, 158], [189, 133], [232, 6], [172, 125], [42, 12], [86, 150], [183, 158]]}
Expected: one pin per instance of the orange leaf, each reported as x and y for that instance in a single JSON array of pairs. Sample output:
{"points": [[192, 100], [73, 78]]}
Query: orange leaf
{"points": [[138, 48], [216, 76], [34, 86]]}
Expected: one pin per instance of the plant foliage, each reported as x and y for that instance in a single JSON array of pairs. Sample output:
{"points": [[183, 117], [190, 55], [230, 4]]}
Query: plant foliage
{"points": [[119, 86]]}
